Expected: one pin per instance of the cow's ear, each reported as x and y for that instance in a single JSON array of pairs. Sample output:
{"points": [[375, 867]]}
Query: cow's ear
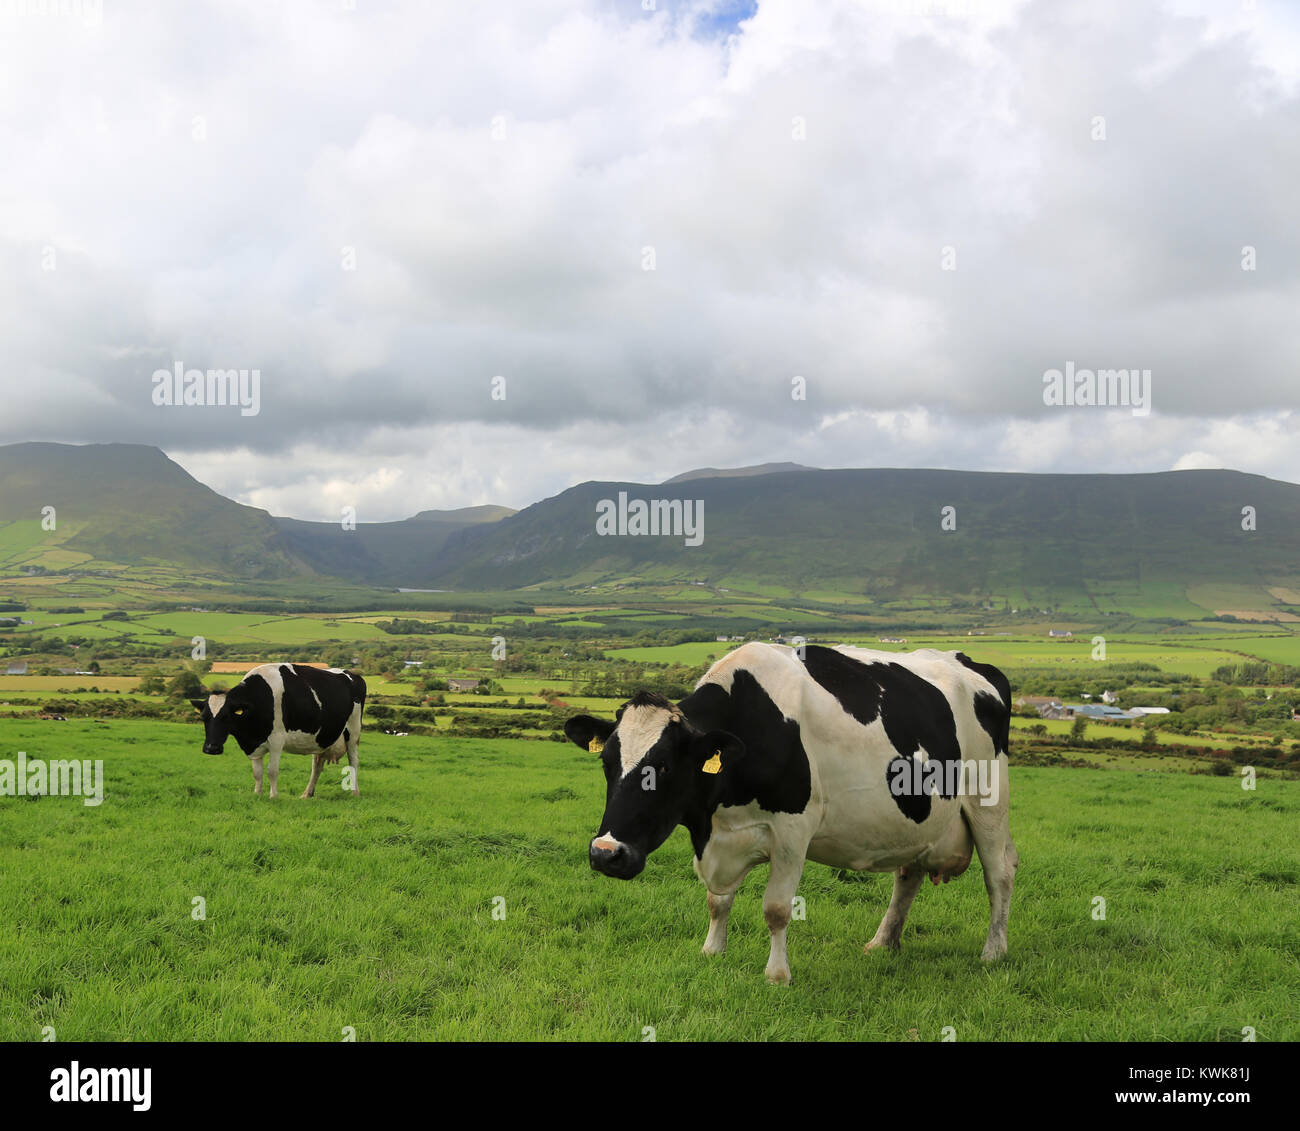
{"points": [[588, 732], [199, 704], [716, 750]]}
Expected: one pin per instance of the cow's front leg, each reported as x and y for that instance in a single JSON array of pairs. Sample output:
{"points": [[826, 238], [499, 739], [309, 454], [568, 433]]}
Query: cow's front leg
{"points": [[778, 901], [715, 942], [273, 770], [317, 761], [256, 759]]}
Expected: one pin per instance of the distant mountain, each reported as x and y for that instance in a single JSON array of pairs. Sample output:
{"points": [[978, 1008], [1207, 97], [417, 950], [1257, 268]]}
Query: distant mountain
{"points": [[1170, 543], [128, 504], [465, 516], [383, 553], [737, 472], [1102, 540]]}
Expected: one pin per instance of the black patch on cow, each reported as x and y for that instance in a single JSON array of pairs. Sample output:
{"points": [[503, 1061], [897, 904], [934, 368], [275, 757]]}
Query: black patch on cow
{"points": [[254, 699], [994, 713], [325, 713], [914, 713], [772, 771]]}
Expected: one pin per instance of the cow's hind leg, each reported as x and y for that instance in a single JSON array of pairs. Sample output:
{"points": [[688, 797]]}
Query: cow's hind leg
{"points": [[907, 882], [353, 763], [778, 900], [317, 761], [991, 829]]}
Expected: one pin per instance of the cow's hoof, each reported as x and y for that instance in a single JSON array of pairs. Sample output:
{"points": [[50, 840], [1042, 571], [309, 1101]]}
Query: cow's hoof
{"points": [[779, 977], [881, 944], [713, 949], [993, 953], [356, 793], [304, 796]]}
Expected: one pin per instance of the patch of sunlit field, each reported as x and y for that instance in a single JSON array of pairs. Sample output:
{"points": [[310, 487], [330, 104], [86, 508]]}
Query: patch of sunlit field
{"points": [[453, 901]]}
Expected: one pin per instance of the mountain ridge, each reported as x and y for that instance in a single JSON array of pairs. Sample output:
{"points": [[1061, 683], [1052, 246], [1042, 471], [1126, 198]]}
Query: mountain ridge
{"points": [[1103, 540]]}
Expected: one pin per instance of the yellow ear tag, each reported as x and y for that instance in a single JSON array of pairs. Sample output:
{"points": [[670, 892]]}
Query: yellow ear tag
{"points": [[239, 710], [595, 746], [714, 764]]}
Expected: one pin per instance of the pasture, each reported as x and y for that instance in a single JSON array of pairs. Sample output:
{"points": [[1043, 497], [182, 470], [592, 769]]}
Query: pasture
{"points": [[378, 913]]}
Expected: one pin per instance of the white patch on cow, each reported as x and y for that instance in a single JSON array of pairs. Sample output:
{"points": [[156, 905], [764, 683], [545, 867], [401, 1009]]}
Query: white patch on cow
{"points": [[607, 843], [216, 702], [638, 730]]}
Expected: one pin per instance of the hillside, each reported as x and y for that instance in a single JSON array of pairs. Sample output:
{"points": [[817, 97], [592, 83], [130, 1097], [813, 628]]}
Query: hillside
{"points": [[1167, 544], [119, 505], [383, 553], [1092, 542], [736, 472]]}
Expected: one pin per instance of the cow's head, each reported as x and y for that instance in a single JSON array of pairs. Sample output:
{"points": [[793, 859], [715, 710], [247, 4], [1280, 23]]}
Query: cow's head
{"points": [[659, 769], [226, 713]]}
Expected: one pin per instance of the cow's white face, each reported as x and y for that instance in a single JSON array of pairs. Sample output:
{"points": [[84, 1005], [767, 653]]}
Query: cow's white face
{"points": [[654, 762]]}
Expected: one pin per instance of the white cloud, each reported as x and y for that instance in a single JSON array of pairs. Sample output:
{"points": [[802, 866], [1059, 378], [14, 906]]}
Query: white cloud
{"points": [[200, 168]]}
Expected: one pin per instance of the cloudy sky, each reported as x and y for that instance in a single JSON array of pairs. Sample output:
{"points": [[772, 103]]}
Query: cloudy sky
{"points": [[917, 208]]}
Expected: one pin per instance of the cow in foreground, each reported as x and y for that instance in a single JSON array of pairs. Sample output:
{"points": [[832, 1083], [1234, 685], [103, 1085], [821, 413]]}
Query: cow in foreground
{"points": [[872, 761], [279, 707]]}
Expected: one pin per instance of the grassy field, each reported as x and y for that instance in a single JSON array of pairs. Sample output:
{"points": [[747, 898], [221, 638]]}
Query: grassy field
{"points": [[378, 912], [1191, 655]]}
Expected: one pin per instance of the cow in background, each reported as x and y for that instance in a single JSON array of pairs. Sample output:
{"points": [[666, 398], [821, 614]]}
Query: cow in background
{"points": [[279, 707]]}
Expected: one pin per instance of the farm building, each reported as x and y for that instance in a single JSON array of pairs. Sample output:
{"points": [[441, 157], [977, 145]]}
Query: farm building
{"points": [[1061, 633], [17, 667], [462, 684], [1098, 711]]}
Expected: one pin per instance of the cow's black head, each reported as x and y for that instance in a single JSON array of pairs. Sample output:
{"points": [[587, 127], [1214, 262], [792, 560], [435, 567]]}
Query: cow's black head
{"points": [[236, 713], [659, 770]]}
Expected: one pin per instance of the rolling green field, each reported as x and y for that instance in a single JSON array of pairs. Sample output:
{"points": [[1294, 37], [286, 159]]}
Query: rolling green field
{"points": [[378, 912], [1189, 655]]}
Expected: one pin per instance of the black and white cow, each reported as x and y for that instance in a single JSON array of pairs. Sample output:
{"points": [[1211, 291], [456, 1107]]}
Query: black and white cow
{"points": [[278, 707], [874, 761]]}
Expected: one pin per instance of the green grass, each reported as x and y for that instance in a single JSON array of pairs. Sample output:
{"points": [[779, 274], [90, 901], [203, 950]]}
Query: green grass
{"points": [[377, 912]]}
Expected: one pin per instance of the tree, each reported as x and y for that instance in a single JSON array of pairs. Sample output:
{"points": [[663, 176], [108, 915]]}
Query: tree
{"points": [[1078, 729], [151, 683], [185, 685]]}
